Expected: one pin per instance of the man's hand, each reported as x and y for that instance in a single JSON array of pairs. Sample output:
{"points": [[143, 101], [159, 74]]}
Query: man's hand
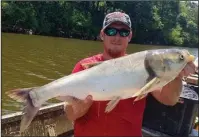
{"points": [[189, 69], [77, 108]]}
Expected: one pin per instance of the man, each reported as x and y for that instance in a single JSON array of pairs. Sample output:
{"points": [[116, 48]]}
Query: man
{"points": [[126, 118]]}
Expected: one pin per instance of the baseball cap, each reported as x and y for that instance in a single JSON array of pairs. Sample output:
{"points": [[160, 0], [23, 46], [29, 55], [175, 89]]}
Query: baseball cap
{"points": [[116, 17]]}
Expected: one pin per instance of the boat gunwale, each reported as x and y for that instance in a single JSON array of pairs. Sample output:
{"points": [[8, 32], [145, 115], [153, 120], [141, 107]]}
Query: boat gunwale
{"points": [[16, 116]]}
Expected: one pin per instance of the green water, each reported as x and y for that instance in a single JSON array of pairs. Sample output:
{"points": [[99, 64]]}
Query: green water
{"points": [[29, 60]]}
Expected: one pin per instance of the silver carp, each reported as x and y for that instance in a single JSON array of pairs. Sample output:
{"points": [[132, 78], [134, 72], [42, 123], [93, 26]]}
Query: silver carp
{"points": [[133, 75]]}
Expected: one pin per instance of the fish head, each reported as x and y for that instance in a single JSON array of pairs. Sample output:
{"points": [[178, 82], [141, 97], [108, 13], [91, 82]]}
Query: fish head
{"points": [[167, 63]]}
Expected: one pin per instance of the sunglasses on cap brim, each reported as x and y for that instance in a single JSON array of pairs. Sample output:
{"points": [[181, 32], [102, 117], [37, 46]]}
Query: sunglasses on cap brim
{"points": [[109, 31]]}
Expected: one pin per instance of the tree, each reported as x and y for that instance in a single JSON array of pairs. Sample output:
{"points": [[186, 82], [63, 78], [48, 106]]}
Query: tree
{"points": [[153, 22]]}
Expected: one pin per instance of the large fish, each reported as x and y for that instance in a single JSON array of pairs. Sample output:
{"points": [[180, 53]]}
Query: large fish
{"points": [[134, 75]]}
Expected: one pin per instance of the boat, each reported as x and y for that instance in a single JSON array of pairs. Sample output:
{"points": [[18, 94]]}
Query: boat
{"points": [[49, 121]]}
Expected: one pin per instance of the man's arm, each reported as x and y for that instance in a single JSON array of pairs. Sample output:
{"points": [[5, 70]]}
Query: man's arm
{"points": [[169, 95]]}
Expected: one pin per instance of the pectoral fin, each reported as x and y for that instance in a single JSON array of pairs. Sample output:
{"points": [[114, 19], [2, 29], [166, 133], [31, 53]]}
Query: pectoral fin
{"points": [[112, 104], [142, 93], [62, 98], [90, 65], [140, 97]]}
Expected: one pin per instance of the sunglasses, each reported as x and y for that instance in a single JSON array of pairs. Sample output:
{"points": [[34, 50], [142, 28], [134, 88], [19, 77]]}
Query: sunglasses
{"points": [[113, 31]]}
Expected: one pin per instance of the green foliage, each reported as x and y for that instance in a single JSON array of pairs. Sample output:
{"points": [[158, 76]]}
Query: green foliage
{"points": [[175, 36], [154, 22], [157, 19]]}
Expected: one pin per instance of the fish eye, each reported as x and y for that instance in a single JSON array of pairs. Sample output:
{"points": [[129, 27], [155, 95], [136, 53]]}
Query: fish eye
{"points": [[181, 57]]}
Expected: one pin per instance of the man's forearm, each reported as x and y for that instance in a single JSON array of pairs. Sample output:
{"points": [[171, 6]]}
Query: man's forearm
{"points": [[173, 90], [170, 93]]}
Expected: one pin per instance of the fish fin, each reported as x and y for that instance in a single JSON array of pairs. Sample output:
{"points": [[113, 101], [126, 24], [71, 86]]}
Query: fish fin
{"points": [[62, 98], [29, 113], [29, 110], [112, 104], [90, 65], [19, 95], [141, 97], [141, 94]]}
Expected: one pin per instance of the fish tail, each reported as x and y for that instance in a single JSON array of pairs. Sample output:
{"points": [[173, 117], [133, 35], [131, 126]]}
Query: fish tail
{"points": [[29, 113], [22, 95], [19, 95]]}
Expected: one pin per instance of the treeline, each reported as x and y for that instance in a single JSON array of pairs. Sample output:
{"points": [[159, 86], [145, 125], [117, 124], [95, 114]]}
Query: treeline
{"points": [[154, 22]]}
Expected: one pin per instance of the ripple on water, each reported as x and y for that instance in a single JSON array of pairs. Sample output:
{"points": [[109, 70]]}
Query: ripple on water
{"points": [[11, 106], [59, 73], [39, 76]]}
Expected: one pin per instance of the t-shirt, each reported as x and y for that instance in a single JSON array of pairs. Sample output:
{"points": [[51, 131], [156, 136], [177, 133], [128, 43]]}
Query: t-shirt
{"points": [[124, 120]]}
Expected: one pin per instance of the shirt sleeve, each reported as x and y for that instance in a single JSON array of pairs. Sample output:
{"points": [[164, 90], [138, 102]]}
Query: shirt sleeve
{"points": [[78, 67]]}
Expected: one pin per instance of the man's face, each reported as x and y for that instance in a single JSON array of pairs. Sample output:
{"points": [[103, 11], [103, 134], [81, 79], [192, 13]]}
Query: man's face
{"points": [[115, 46]]}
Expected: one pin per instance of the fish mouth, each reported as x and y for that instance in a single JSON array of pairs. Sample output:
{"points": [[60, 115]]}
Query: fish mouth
{"points": [[190, 58]]}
